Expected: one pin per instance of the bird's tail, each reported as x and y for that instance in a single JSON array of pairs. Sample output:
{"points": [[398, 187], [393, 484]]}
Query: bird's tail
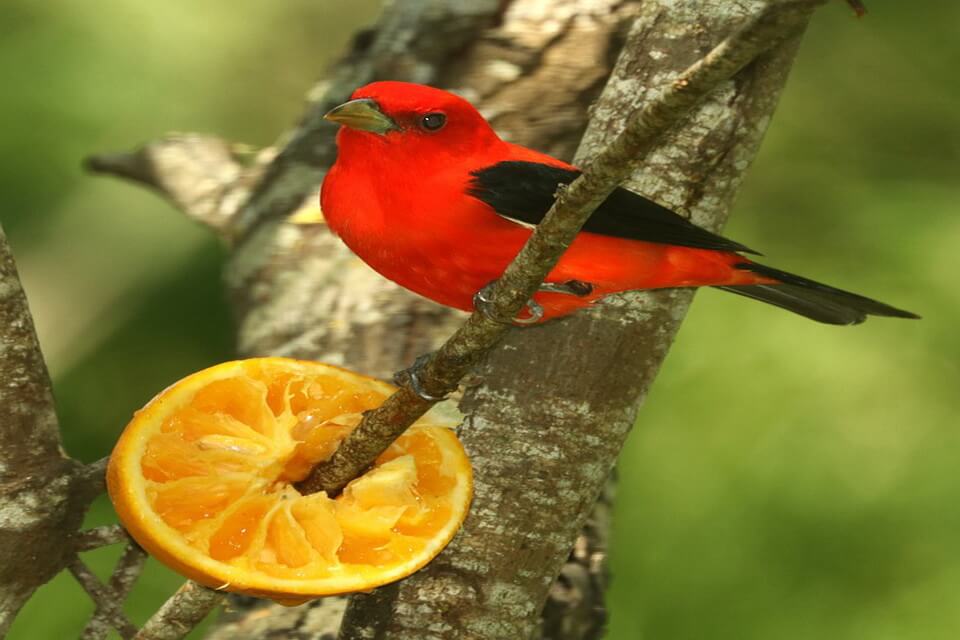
{"points": [[814, 300]]}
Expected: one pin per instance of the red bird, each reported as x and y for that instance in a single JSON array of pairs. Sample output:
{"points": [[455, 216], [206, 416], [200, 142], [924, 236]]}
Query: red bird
{"points": [[426, 193]]}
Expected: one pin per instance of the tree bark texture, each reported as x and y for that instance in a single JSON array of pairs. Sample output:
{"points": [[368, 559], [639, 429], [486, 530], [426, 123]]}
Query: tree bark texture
{"points": [[555, 402], [43, 493]]}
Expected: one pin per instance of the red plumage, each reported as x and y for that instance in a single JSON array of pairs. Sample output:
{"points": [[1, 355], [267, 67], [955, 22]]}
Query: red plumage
{"points": [[402, 196]]}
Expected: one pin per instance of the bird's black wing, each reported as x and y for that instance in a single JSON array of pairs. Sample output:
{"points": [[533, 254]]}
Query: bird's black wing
{"points": [[524, 191]]}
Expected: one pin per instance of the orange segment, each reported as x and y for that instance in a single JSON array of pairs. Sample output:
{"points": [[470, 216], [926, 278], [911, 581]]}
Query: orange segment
{"points": [[315, 515], [287, 540], [203, 478], [183, 502]]}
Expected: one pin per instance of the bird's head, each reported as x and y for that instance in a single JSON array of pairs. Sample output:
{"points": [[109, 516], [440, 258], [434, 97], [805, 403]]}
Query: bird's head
{"points": [[412, 120]]}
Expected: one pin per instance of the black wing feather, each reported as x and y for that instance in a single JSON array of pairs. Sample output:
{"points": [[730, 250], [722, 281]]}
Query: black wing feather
{"points": [[524, 192]]}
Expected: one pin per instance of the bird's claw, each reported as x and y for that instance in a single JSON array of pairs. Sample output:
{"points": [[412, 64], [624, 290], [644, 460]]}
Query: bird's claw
{"points": [[410, 378], [483, 301]]}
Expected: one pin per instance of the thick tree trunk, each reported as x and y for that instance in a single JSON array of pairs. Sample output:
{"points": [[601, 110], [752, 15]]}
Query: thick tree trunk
{"points": [[43, 493], [546, 423]]}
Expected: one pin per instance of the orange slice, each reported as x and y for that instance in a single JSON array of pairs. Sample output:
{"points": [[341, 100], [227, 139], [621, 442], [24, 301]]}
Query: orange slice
{"points": [[203, 478]]}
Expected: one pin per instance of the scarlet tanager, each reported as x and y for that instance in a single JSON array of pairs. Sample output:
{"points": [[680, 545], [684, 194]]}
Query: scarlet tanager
{"points": [[426, 193]]}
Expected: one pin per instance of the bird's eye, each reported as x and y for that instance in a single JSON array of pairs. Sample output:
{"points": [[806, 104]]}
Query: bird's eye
{"points": [[433, 121]]}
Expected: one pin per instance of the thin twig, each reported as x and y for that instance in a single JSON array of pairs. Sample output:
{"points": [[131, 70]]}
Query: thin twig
{"points": [[104, 597], [124, 576], [441, 371], [128, 569], [97, 537], [183, 611]]}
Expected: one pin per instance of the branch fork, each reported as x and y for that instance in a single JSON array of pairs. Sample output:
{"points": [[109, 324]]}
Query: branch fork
{"points": [[439, 373]]}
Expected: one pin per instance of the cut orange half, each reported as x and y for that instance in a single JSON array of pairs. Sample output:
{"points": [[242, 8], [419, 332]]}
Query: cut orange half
{"points": [[203, 478]]}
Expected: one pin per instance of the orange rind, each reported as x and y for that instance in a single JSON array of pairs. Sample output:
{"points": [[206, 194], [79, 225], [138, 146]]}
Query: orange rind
{"points": [[204, 479]]}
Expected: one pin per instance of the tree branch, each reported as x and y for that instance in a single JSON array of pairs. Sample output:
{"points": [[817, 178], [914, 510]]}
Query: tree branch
{"points": [[107, 604], [125, 575], [441, 372], [183, 611], [202, 175], [106, 535], [29, 433], [93, 477]]}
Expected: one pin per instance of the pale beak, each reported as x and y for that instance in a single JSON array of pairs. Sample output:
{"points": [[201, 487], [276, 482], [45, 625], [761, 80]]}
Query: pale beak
{"points": [[363, 114]]}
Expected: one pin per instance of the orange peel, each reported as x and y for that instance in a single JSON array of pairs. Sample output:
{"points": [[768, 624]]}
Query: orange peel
{"points": [[203, 478]]}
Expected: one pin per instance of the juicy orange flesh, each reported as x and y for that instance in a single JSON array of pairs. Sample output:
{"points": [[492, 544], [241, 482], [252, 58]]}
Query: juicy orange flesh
{"points": [[220, 470]]}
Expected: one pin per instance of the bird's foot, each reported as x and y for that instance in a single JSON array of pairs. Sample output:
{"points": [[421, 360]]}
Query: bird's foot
{"points": [[410, 378], [483, 301]]}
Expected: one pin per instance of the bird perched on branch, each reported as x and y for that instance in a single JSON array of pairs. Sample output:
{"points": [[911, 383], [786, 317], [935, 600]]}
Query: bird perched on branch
{"points": [[426, 193]]}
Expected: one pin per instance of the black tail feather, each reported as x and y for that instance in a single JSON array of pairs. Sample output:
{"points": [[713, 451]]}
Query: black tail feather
{"points": [[812, 299]]}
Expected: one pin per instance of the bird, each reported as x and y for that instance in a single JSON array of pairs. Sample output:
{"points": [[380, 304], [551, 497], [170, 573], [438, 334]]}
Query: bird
{"points": [[427, 194]]}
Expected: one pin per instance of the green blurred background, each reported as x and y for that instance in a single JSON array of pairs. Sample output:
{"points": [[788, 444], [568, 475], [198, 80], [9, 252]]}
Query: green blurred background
{"points": [[786, 480]]}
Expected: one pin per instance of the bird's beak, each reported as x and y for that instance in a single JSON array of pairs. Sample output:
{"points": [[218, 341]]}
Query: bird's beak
{"points": [[363, 114]]}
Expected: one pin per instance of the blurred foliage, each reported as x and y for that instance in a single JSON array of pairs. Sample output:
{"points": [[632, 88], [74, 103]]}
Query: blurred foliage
{"points": [[786, 479]]}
